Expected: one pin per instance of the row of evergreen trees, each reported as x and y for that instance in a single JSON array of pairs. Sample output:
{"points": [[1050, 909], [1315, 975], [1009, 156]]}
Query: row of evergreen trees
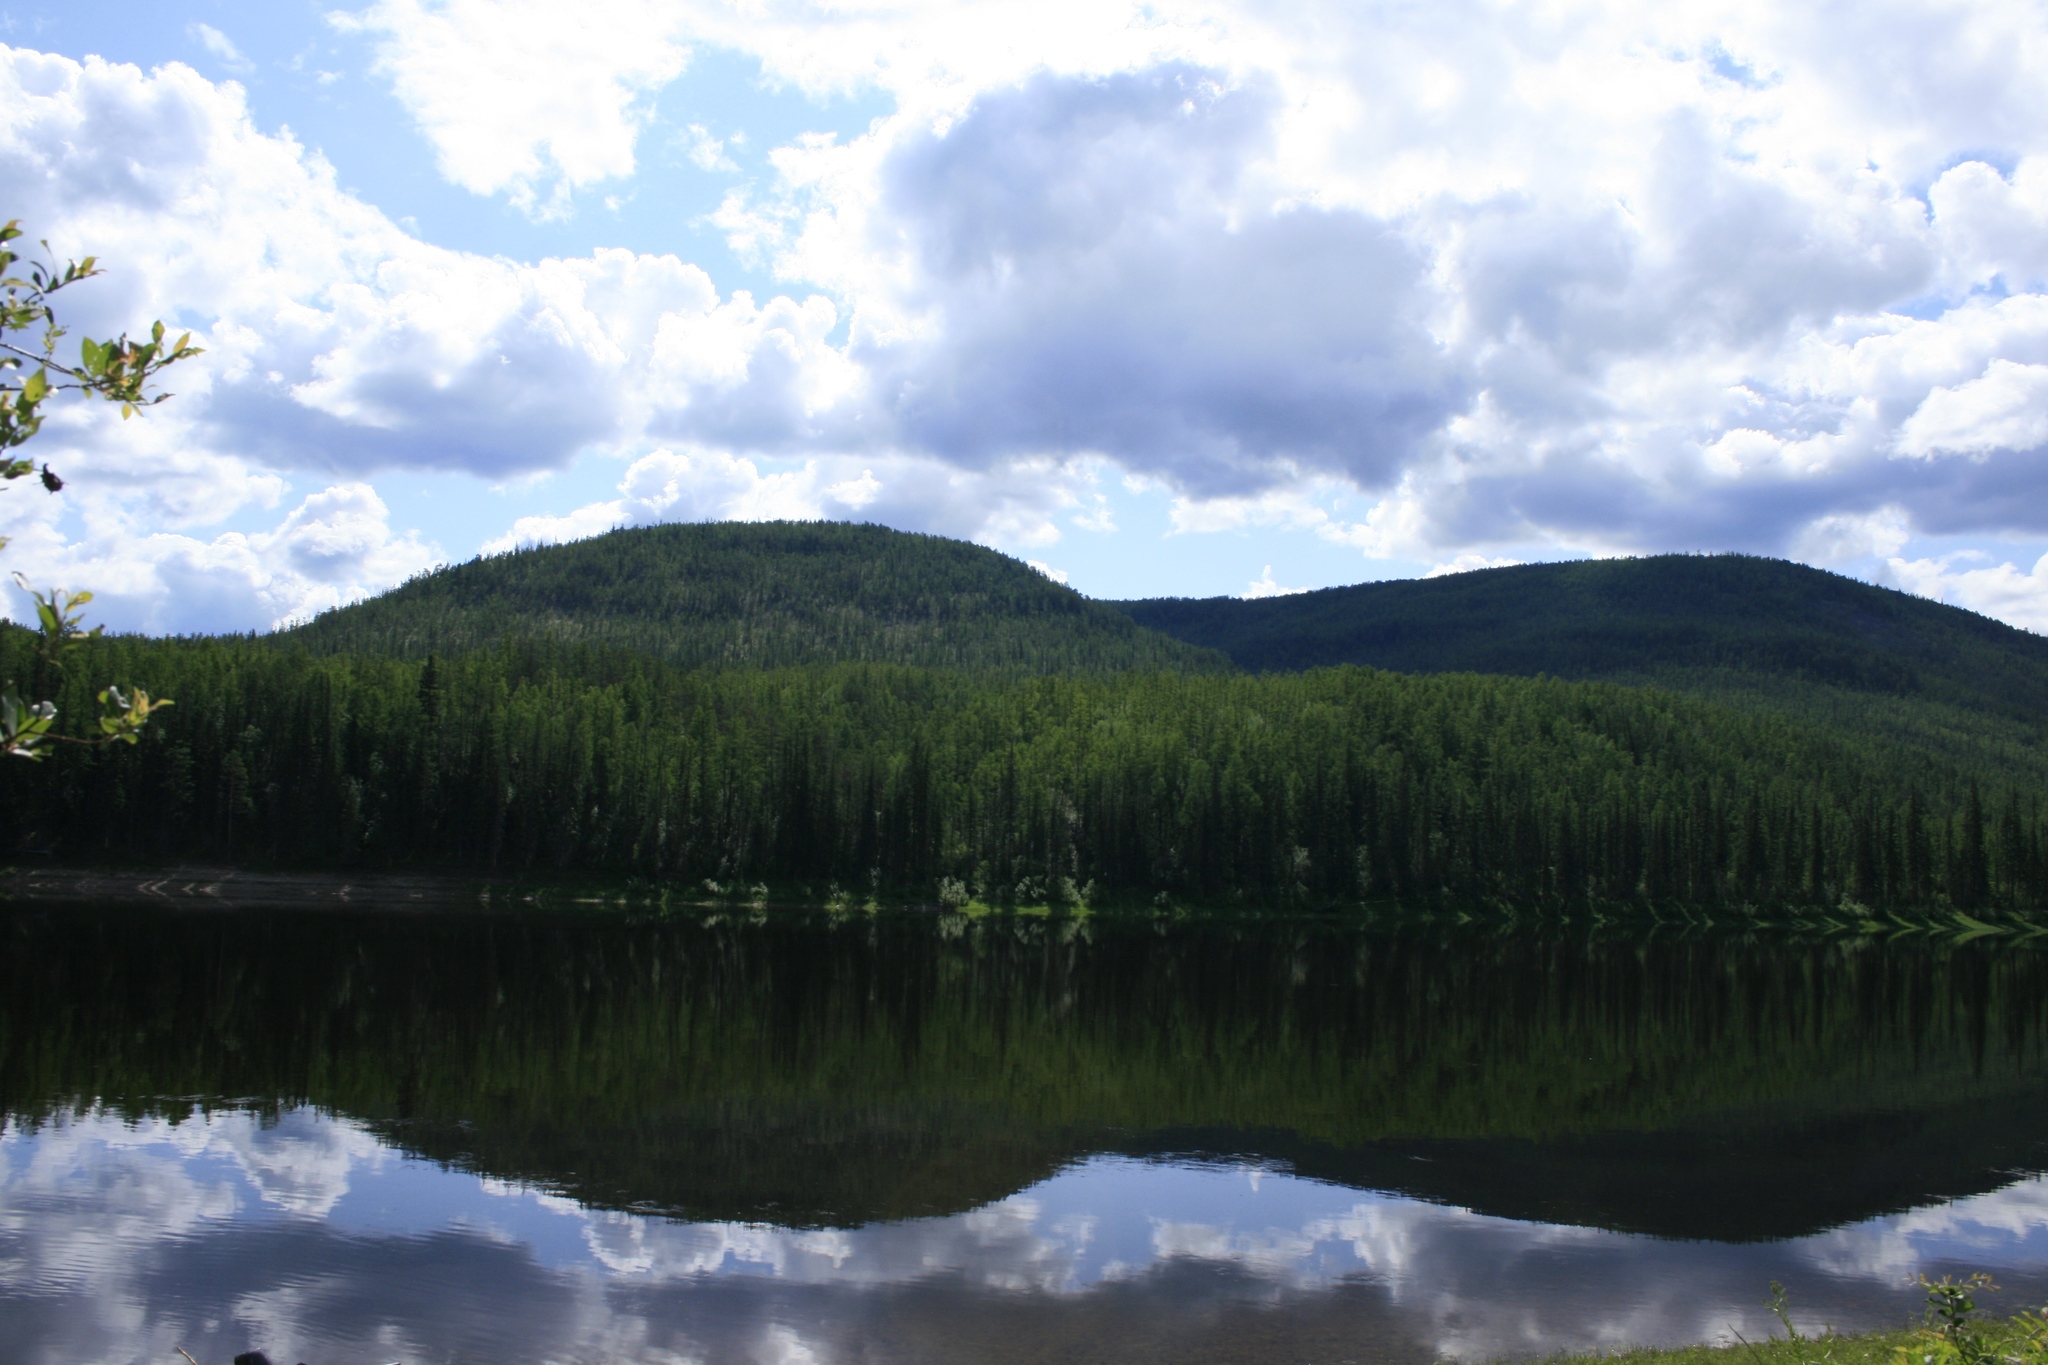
{"points": [[1342, 784]]}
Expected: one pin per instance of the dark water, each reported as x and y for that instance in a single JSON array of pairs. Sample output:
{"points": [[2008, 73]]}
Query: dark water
{"points": [[366, 1137]]}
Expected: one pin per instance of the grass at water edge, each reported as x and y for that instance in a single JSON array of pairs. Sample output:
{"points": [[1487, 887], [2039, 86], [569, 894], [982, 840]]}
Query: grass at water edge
{"points": [[1871, 1348]]}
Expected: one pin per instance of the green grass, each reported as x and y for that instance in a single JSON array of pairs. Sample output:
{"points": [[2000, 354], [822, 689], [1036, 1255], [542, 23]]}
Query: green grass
{"points": [[1962, 1337], [1874, 1348]]}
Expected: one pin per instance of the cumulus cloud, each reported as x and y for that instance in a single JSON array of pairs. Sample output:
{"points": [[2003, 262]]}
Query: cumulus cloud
{"points": [[1265, 586], [2005, 408], [1010, 506], [1098, 275], [2006, 591], [695, 485], [515, 99], [1994, 228], [1056, 575], [335, 339], [335, 547], [1588, 280]]}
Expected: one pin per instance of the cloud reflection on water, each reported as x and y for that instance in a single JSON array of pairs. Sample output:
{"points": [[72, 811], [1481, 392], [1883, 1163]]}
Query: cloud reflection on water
{"points": [[308, 1237]]}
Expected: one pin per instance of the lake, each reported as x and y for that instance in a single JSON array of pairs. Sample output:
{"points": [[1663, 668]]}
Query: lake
{"points": [[794, 1136]]}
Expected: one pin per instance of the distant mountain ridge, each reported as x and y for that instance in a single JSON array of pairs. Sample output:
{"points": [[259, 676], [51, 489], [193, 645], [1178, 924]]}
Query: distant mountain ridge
{"points": [[820, 706], [1738, 627], [762, 595], [1759, 633]]}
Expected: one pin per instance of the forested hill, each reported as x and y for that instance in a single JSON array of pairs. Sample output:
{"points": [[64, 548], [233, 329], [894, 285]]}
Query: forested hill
{"points": [[1799, 640], [764, 595]]}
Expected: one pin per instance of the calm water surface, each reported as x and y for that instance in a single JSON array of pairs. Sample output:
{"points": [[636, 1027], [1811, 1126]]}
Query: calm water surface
{"points": [[787, 1138]]}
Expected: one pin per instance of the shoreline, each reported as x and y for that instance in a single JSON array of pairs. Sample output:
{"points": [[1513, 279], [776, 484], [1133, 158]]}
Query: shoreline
{"points": [[204, 887], [200, 886]]}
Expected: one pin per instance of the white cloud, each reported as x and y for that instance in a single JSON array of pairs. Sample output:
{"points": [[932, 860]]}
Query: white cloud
{"points": [[2006, 591], [1056, 575], [1994, 227], [336, 546], [856, 493], [1599, 279], [695, 485], [520, 97], [1466, 563], [706, 152], [2004, 409], [334, 339], [1265, 586], [1010, 506], [1296, 504], [221, 46], [1846, 536]]}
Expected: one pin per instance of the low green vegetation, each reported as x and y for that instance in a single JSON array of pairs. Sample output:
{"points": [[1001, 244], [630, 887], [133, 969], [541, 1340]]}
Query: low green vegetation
{"points": [[1955, 1333], [1871, 1348]]}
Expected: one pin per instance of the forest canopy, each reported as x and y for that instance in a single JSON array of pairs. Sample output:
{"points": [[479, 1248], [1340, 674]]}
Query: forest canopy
{"points": [[1337, 785], [761, 595]]}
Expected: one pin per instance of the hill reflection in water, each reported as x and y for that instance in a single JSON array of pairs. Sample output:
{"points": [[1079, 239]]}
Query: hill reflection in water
{"points": [[908, 1137], [308, 1236]]}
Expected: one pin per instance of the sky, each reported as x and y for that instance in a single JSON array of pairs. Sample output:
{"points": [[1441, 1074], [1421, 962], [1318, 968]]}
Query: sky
{"points": [[1184, 298]]}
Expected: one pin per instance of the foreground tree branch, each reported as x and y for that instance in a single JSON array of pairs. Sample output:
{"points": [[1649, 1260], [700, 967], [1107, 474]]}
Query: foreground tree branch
{"points": [[119, 371]]}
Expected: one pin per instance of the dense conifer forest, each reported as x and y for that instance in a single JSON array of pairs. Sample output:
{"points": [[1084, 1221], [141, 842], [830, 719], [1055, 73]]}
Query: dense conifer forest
{"points": [[1339, 784], [1759, 633], [762, 596], [619, 724]]}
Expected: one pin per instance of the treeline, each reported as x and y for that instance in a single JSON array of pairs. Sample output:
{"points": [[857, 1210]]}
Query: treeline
{"points": [[760, 595], [1338, 785]]}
